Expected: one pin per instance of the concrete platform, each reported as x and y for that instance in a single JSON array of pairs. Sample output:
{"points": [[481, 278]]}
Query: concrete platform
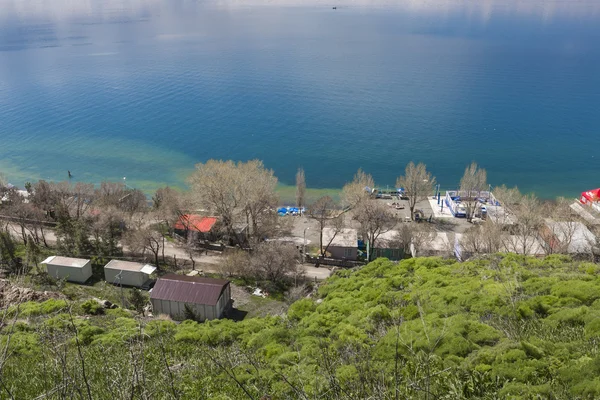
{"points": [[438, 211]]}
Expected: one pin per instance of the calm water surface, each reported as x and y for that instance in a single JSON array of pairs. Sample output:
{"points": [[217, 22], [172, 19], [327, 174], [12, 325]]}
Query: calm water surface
{"points": [[145, 90]]}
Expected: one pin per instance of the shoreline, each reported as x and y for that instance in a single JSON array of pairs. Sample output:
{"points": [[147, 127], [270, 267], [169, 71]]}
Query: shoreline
{"points": [[286, 192]]}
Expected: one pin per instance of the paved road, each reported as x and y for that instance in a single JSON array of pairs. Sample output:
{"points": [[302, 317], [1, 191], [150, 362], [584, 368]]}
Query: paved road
{"points": [[207, 262]]}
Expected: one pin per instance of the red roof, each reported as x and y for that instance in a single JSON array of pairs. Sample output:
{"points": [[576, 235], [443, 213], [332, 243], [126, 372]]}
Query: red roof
{"points": [[590, 196], [195, 223], [189, 289]]}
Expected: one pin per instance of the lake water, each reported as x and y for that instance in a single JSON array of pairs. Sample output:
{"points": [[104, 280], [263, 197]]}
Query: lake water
{"points": [[146, 89]]}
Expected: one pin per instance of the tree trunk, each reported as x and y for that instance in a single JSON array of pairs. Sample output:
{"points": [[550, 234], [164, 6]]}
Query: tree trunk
{"points": [[156, 257], [23, 234], [43, 236]]}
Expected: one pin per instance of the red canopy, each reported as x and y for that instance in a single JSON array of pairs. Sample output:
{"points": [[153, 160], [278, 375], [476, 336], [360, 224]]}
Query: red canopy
{"points": [[590, 196]]}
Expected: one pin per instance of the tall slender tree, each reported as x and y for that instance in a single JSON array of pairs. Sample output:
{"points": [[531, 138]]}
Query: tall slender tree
{"points": [[300, 188], [327, 215], [417, 183], [357, 191], [473, 182]]}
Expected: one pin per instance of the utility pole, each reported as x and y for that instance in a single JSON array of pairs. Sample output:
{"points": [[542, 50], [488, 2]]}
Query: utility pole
{"points": [[120, 276], [304, 246]]}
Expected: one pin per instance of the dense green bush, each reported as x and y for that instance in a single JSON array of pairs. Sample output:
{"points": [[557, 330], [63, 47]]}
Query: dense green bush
{"points": [[504, 327], [92, 307]]}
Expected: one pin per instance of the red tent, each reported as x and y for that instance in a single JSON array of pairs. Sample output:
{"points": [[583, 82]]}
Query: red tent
{"points": [[590, 196]]}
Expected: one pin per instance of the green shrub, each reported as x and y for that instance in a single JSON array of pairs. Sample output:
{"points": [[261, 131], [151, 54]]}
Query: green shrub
{"points": [[92, 307], [301, 308], [33, 308], [87, 333], [585, 292]]}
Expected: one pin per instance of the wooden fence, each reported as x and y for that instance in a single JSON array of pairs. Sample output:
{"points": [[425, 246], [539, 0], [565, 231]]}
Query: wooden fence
{"points": [[334, 262]]}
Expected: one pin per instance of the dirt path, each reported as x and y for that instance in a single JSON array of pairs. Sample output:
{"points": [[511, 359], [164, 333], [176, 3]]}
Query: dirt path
{"points": [[206, 262]]}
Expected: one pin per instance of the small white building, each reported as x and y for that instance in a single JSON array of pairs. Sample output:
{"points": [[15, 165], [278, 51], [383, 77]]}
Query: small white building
{"points": [[127, 273], [72, 269], [207, 298], [344, 244]]}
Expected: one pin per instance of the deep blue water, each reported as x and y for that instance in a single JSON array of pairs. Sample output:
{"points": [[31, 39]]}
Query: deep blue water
{"points": [[118, 88]]}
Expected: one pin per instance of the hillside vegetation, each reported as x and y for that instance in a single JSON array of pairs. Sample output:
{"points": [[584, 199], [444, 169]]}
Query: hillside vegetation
{"points": [[426, 328]]}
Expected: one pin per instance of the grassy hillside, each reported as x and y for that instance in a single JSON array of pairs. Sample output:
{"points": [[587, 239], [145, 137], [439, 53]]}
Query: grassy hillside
{"points": [[505, 327]]}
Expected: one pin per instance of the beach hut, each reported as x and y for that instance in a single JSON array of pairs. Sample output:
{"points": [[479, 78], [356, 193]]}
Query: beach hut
{"points": [[127, 273], [206, 298], [72, 269], [344, 244]]}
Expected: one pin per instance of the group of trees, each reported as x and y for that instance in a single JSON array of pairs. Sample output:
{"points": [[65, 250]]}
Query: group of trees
{"points": [[88, 220], [358, 205], [83, 220], [242, 192], [273, 264], [425, 328], [527, 225]]}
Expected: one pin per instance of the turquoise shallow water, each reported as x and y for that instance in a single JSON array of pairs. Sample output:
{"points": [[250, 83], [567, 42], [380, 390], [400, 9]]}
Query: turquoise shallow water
{"points": [[147, 89]]}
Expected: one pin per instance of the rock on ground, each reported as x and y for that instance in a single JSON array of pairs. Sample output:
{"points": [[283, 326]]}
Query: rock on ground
{"points": [[12, 294]]}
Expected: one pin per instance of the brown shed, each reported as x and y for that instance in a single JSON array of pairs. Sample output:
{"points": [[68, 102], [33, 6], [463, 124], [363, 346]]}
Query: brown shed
{"points": [[207, 298]]}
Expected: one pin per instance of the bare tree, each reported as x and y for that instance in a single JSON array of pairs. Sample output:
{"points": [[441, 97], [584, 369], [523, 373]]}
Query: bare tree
{"points": [[473, 182], [357, 191], [327, 215], [25, 215], [508, 197], [487, 238], [275, 261], [559, 228], [236, 263], [170, 204], [417, 183], [81, 197], [417, 235], [237, 192], [120, 196], [259, 199], [106, 230], [374, 218], [300, 188], [525, 231], [144, 239]]}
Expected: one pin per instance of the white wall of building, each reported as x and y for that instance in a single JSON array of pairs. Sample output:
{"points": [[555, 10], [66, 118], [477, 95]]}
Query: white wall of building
{"points": [[127, 278], [71, 274]]}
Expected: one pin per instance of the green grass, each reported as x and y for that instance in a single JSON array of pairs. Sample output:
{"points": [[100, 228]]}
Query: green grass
{"points": [[287, 194]]}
